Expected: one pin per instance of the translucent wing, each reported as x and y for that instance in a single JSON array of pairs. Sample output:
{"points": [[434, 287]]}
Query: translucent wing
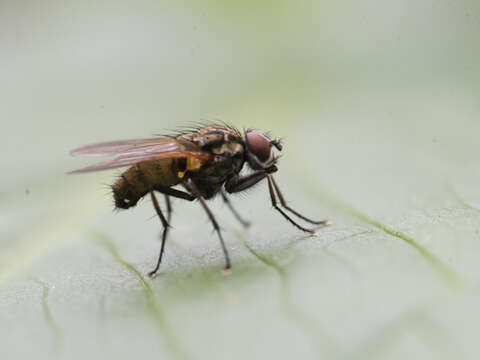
{"points": [[130, 152], [126, 147]]}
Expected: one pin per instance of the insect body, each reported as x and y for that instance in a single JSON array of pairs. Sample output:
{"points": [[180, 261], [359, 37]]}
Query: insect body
{"points": [[205, 162]]}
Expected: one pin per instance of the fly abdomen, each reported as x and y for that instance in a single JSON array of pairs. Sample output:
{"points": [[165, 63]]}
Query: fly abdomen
{"points": [[127, 190], [141, 178]]}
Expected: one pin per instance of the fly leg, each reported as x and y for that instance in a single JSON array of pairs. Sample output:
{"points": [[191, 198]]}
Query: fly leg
{"points": [[167, 191], [240, 183], [169, 207], [193, 189], [165, 224], [286, 207], [274, 204], [237, 183], [174, 192], [232, 209]]}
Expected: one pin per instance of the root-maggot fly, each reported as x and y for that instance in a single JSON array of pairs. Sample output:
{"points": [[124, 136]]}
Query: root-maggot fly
{"points": [[205, 161]]}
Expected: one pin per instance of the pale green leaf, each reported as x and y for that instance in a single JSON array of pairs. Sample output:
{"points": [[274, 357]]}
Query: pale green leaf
{"points": [[377, 103]]}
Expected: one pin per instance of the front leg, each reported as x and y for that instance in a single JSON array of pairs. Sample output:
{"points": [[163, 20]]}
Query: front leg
{"points": [[240, 183], [275, 206], [286, 207]]}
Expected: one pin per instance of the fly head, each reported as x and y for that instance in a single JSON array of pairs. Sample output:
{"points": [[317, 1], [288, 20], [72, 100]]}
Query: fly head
{"points": [[260, 155]]}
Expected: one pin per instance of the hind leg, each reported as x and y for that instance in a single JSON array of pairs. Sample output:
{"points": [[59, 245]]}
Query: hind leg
{"points": [[165, 224]]}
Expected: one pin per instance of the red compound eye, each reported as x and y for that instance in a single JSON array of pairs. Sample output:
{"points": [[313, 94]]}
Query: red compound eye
{"points": [[259, 145]]}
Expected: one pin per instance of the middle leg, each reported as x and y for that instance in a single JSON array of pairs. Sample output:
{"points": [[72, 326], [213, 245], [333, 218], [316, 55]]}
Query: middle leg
{"points": [[194, 190], [169, 207], [232, 209]]}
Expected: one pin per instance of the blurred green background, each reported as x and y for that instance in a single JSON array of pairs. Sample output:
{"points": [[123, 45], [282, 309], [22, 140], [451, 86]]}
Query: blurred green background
{"points": [[378, 106]]}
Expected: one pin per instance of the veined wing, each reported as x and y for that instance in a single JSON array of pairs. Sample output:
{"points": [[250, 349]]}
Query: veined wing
{"points": [[130, 152], [125, 147]]}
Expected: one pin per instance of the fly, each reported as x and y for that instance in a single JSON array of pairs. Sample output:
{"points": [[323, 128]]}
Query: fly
{"points": [[204, 162]]}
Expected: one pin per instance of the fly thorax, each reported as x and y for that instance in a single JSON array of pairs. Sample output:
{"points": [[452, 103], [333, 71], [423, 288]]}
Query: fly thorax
{"points": [[228, 149]]}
